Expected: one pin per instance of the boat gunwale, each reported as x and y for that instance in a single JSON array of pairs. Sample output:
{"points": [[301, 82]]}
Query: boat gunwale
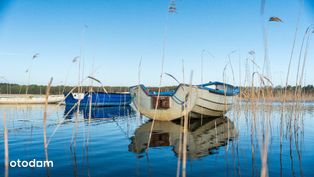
{"points": [[145, 89], [235, 89], [113, 93]]}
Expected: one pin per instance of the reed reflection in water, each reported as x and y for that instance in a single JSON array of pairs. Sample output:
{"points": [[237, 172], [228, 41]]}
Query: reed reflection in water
{"points": [[119, 141]]}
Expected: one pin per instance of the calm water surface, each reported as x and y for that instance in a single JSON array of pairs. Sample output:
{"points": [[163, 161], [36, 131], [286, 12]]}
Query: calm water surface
{"points": [[113, 143]]}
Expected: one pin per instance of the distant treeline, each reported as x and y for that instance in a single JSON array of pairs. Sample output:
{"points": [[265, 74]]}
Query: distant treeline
{"points": [[6, 88], [278, 90], [278, 93], [309, 89]]}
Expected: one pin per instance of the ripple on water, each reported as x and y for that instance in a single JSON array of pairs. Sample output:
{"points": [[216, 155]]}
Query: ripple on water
{"points": [[101, 148]]}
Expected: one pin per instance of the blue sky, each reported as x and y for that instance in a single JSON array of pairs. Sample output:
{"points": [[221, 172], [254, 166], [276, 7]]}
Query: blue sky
{"points": [[121, 32]]}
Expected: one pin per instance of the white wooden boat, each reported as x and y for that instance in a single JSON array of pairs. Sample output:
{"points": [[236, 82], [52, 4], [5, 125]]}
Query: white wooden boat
{"points": [[203, 136], [171, 105], [212, 99], [30, 99]]}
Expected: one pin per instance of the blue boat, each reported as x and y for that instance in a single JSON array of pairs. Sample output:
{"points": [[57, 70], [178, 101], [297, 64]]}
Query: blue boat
{"points": [[100, 112], [98, 99]]}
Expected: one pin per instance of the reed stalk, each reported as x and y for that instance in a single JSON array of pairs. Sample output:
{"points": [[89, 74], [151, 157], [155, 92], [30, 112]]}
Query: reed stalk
{"points": [[6, 146], [139, 82], [291, 54], [181, 131], [28, 81], [45, 123], [305, 39], [60, 123], [202, 81], [90, 102], [90, 109], [266, 66], [28, 70], [160, 80], [304, 60], [79, 87], [185, 129], [180, 143], [231, 67]]}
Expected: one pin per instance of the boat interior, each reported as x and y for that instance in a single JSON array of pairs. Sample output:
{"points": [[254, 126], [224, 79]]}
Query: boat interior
{"points": [[214, 87]]}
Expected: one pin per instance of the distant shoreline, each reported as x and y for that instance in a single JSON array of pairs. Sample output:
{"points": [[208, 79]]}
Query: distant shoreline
{"points": [[277, 92]]}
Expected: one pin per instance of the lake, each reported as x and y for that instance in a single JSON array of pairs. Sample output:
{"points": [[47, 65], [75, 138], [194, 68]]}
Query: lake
{"points": [[114, 142]]}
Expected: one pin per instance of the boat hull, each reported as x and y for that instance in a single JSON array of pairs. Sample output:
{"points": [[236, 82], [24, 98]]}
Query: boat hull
{"points": [[210, 104], [212, 99], [30, 99], [107, 112], [177, 106], [98, 99]]}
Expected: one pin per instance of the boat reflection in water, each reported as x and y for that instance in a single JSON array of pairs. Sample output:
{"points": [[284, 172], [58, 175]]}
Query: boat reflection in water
{"points": [[100, 112], [203, 137]]}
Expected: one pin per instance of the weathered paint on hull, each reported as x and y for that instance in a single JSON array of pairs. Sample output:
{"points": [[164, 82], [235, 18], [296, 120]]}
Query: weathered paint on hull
{"points": [[143, 103], [212, 105], [99, 99]]}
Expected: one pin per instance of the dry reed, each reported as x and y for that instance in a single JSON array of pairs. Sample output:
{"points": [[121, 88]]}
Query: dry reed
{"points": [[185, 129], [160, 80], [44, 124], [6, 146]]}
